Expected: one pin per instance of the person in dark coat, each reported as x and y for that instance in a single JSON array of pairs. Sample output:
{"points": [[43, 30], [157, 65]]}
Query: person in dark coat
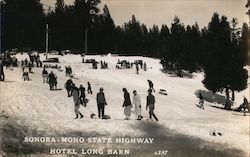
{"points": [[151, 105], [82, 95], [151, 85], [101, 102], [2, 77], [68, 86], [30, 67], [244, 106], [145, 66], [76, 99], [52, 80], [201, 102], [44, 74], [127, 104], [137, 68], [26, 62], [89, 88]]}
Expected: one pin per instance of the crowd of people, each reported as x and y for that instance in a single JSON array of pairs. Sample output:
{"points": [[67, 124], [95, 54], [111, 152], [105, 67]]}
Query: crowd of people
{"points": [[79, 98]]}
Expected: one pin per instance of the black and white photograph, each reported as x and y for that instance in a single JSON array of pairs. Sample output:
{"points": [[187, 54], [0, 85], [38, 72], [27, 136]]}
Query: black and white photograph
{"points": [[134, 78]]}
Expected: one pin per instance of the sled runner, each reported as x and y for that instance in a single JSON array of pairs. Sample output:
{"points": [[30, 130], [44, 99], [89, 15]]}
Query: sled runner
{"points": [[163, 90]]}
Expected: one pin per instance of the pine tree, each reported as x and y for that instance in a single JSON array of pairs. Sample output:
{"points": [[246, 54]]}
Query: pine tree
{"points": [[22, 24], [224, 68]]}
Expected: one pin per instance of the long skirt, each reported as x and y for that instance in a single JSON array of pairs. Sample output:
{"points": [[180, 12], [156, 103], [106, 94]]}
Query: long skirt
{"points": [[127, 110], [138, 109]]}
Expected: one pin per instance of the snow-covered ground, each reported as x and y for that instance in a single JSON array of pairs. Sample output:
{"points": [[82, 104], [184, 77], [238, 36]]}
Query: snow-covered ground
{"points": [[33, 104]]}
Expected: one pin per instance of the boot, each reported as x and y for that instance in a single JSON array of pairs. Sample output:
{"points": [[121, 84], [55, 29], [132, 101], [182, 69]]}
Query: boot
{"points": [[81, 116]]}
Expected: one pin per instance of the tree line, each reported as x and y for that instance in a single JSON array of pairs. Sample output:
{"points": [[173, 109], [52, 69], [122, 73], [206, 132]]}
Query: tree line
{"points": [[221, 45]]}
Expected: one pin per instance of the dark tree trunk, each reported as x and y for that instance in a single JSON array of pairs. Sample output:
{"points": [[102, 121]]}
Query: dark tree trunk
{"points": [[227, 93], [233, 95], [227, 103]]}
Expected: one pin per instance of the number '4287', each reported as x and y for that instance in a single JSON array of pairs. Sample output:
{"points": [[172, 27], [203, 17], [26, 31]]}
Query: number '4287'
{"points": [[161, 152]]}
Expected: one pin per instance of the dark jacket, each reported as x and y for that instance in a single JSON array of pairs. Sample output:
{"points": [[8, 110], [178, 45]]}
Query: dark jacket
{"points": [[127, 101], [52, 78], [68, 84], [1, 69], [150, 99], [150, 83], [200, 96], [245, 102], [100, 98], [82, 92], [45, 72]]}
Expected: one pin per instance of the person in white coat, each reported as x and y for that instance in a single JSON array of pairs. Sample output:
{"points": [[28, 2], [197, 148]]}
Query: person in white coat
{"points": [[76, 99], [137, 104]]}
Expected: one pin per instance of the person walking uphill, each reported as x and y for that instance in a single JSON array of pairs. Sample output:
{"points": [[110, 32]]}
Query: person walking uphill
{"points": [[44, 74], [68, 86], [151, 105], [82, 95], [89, 88], [101, 102], [151, 85], [201, 102], [52, 80], [76, 99], [127, 104], [137, 103]]}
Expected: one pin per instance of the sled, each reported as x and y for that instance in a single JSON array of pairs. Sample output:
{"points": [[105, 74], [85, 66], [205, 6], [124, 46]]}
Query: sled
{"points": [[106, 117], [163, 92], [51, 60]]}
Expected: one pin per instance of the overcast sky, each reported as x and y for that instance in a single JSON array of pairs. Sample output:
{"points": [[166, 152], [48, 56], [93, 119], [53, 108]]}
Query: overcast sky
{"points": [[161, 12]]}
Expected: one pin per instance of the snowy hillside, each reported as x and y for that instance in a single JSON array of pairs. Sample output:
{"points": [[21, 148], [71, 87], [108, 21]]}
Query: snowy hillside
{"points": [[31, 103]]}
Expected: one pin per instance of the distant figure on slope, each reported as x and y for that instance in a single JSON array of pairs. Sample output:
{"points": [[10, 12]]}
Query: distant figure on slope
{"points": [[151, 105], [244, 106], [68, 71], [82, 95], [68, 86], [76, 99], [145, 66], [2, 77], [89, 88], [101, 102], [44, 74], [23, 67], [52, 81], [137, 103], [30, 67], [201, 101], [137, 68], [127, 104], [151, 85], [26, 62]]}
